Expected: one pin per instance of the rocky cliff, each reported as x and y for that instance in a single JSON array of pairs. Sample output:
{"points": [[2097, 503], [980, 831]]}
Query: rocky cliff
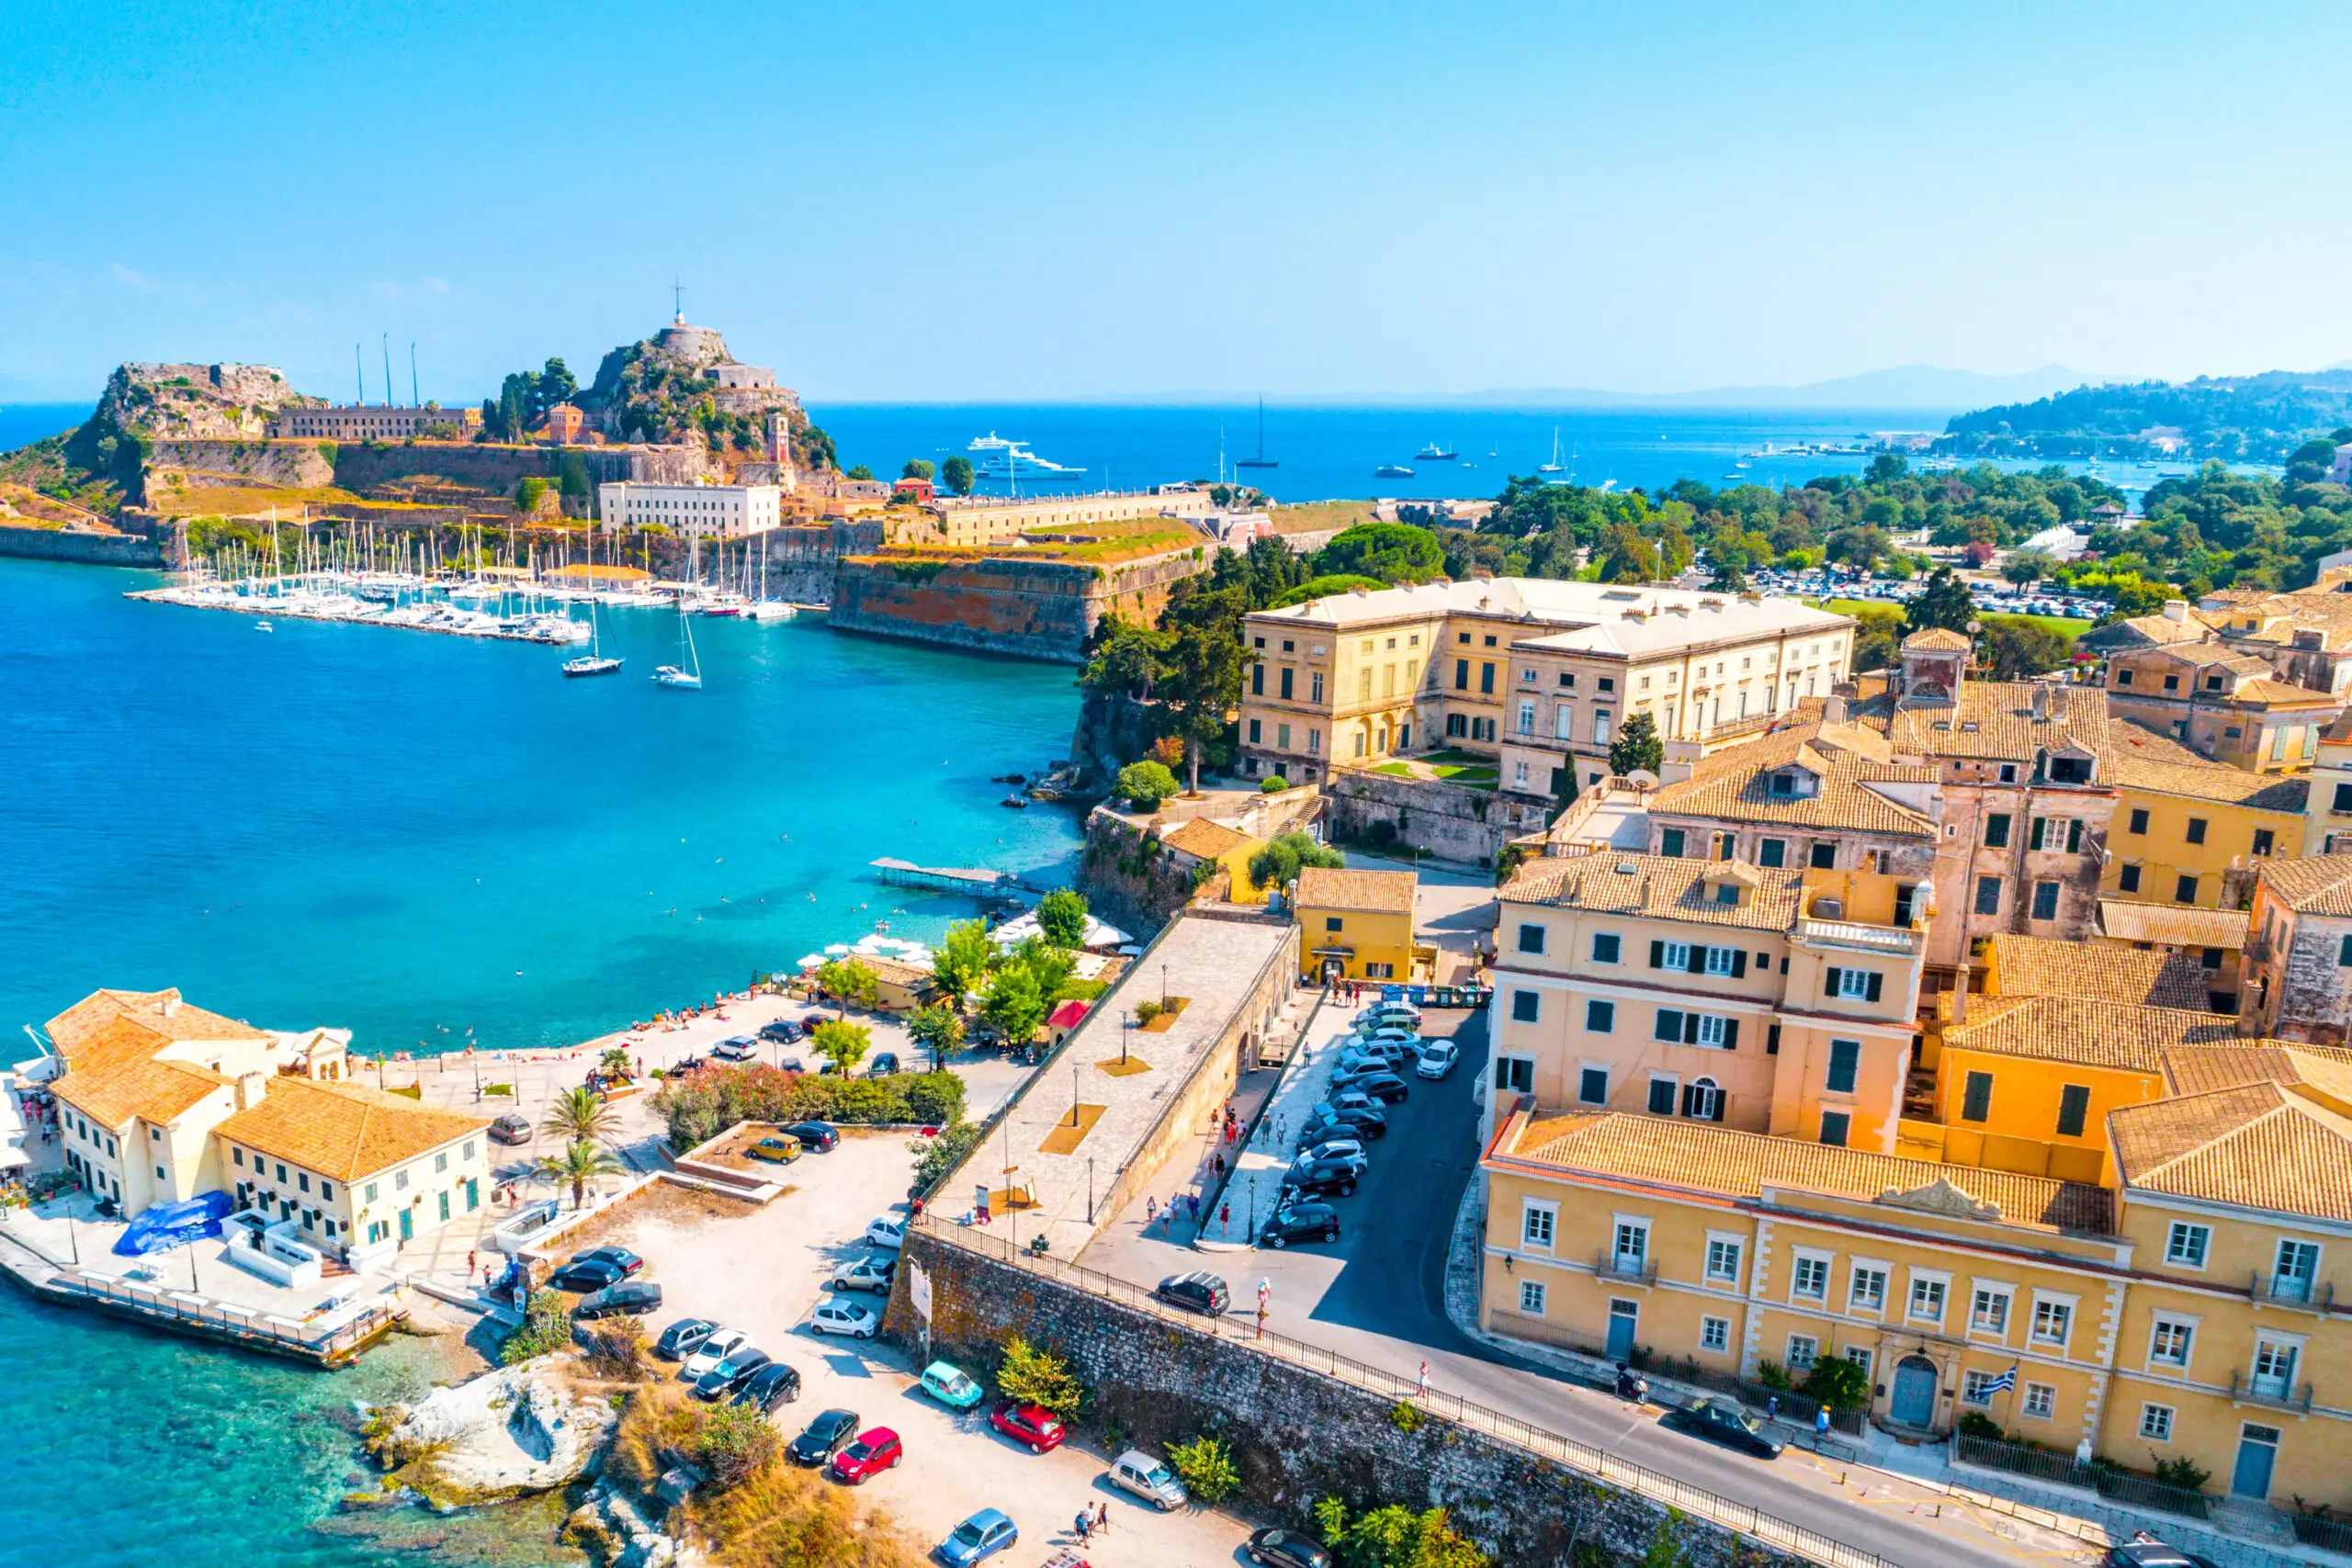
{"points": [[509, 1433]]}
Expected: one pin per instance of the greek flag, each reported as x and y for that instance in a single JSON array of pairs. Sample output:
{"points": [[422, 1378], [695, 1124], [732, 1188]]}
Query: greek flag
{"points": [[2002, 1384]]}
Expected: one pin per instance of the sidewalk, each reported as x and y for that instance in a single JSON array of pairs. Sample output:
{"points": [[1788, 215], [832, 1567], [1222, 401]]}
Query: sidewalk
{"points": [[1254, 1183]]}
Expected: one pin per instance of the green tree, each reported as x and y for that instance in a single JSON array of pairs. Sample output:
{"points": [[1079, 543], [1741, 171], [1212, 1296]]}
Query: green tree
{"points": [[1061, 915], [917, 468], [1730, 570], [1013, 1005], [2028, 566], [963, 957], [555, 384], [815, 448], [1391, 552], [2019, 647], [1207, 667], [1125, 659], [859, 471], [546, 1327], [1838, 1384], [1626, 557], [957, 474], [1144, 784], [734, 1443], [1637, 746], [1945, 603], [1048, 965], [846, 981], [842, 1043], [1205, 1466], [1277, 864], [579, 1115], [1862, 548], [938, 1029], [1034, 1375], [581, 1163]]}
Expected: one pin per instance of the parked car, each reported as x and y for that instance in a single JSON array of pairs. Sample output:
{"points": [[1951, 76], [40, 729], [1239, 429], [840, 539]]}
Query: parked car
{"points": [[1199, 1292], [1357, 1126], [873, 1452], [784, 1031], [631, 1300], [629, 1262], [1287, 1549], [1385, 1086], [839, 1317], [736, 1048], [1722, 1421], [1034, 1426], [1437, 1059], [1355, 1060], [872, 1272], [817, 1135], [985, 1534], [1335, 1148], [731, 1374], [1149, 1479], [782, 1148], [884, 1065], [2144, 1551], [583, 1275], [952, 1385], [683, 1337], [823, 1437], [772, 1386], [1326, 1182], [1300, 1222], [1380, 1013], [1398, 1043], [510, 1129], [889, 1231], [711, 1351]]}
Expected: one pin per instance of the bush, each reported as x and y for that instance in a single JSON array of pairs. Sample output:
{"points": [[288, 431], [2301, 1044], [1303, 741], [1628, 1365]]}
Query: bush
{"points": [[1838, 1384], [737, 1442], [1061, 915], [1406, 1416], [1280, 861], [1976, 1423], [1147, 1011], [933, 1097], [545, 1326], [1205, 1466], [935, 1158], [2181, 1472], [1275, 783], [1146, 785], [1395, 1537], [616, 1349], [1035, 1376], [703, 1103], [1773, 1375]]}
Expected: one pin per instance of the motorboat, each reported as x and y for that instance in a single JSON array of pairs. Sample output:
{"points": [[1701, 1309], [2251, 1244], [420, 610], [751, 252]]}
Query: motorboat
{"points": [[591, 664], [1433, 453], [671, 675], [1392, 472], [263, 627], [998, 458]]}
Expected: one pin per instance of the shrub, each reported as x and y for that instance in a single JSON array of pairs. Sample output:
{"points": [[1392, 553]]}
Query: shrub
{"points": [[1976, 1423], [1144, 784], [935, 1158], [737, 1442], [2181, 1472], [1205, 1466], [1036, 1376], [933, 1097], [617, 1348], [1838, 1384], [1406, 1416], [545, 1326], [1275, 783], [1773, 1375], [1147, 1011], [1279, 862]]}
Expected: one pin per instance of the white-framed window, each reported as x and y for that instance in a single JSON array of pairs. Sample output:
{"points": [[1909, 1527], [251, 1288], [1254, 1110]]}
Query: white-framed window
{"points": [[2171, 1341], [1538, 1219], [2155, 1423], [1853, 983], [1988, 1311], [1531, 1298], [1711, 1030], [2186, 1245], [1927, 1294], [1861, 1356], [1803, 1350], [2274, 1360], [1977, 1387], [1809, 1280], [1723, 1261], [1714, 1333], [2041, 1399], [1677, 956], [1719, 960], [1632, 1241], [2053, 1320], [1868, 1290]]}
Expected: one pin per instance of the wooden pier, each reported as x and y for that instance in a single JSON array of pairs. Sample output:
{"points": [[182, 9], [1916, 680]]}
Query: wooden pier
{"points": [[977, 881]]}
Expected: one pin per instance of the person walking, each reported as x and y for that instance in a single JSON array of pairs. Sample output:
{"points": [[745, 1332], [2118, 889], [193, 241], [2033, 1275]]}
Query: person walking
{"points": [[1103, 1517], [1422, 1390], [1192, 1202], [1150, 1211], [1082, 1527], [1225, 1216]]}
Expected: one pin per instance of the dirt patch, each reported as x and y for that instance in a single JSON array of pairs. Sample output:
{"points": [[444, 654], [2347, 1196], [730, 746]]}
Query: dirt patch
{"points": [[1170, 1009], [1128, 1068], [1072, 1130], [661, 1204], [732, 1150]]}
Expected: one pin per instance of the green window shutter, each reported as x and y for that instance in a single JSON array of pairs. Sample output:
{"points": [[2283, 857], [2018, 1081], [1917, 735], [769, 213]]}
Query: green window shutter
{"points": [[1657, 955], [2073, 1110], [1878, 983], [1689, 1028], [2075, 836], [1739, 961], [1976, 1099], [1830, 981], [1731, 1037]]}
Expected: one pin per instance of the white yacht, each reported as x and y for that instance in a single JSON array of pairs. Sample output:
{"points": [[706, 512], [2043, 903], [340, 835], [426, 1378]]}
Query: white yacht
{"points": [[994, 458]]}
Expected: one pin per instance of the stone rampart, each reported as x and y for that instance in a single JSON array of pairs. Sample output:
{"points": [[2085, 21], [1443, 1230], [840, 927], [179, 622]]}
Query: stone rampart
{"points": [[1035, 608], [1451, 821], [89, 549], [293, 464]]}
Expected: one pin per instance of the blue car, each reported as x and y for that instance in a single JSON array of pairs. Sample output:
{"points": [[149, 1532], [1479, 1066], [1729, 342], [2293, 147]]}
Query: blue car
{"points": [[985, 1534]]}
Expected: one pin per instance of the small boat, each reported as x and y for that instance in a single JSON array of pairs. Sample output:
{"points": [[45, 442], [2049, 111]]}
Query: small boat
{"points": [[590, 664], [1392, 472], [1433, 453], [686, 676], [771, 610], [1015, 802], [263, 627], [1553, 466], [1261, 460]]}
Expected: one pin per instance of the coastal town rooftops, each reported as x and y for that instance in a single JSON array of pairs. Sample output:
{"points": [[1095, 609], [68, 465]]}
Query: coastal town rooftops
{"points": [[1589, 616], [1367, 892], [2321, 1074], [1204, 839], [2042, 966], [1997, 720], [1693, 1156], [2256, 1146], [2321, 620], [119, 1078], [2170, 925], [343, 1129], [2310, 885], [2087, 1033], [1839, 763], [1662, 887], [2141, 759], [160, 1017], [2148, 631], [1938, 637]]}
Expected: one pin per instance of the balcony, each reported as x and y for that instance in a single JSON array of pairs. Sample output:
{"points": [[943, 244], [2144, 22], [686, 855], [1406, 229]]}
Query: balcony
{"points": [[2292, 1292], [1853, 936], [2271, 1394], [1626, 1267]]}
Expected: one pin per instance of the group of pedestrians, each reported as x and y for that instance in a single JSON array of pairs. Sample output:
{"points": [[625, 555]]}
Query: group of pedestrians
{"points": [[1091, 1522]]}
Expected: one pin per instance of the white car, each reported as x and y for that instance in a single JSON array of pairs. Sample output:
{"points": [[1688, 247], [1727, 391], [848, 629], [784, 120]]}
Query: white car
{"points": [[1334, 1149], [1149, 1479], [1392, 1016], [1438, 1057], [870, 1272], [889, 1231], [1395, 1044], [712, 1351], [839, 1317]]}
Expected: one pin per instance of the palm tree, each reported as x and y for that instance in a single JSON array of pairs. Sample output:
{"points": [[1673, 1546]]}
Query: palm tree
{"points": [[616, 1062], [579, 1115], [581, 1163]]}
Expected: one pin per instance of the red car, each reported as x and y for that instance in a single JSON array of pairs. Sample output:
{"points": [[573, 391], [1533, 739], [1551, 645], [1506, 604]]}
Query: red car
{"points": [[1034, 1426], [875, 1450]]}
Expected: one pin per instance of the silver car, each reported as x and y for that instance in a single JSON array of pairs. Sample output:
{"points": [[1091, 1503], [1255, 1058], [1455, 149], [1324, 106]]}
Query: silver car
{"points": [[1149, 1479]]}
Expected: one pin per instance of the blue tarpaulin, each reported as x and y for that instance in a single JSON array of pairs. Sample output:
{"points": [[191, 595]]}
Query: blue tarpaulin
{"points": [[167, 1225]]}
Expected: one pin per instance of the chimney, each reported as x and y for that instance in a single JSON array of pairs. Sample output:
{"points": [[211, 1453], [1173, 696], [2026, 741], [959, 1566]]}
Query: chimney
{"points": [[2176, 609], [2040, 705], [1833, 710], [171, 1003], [251, 1089]]}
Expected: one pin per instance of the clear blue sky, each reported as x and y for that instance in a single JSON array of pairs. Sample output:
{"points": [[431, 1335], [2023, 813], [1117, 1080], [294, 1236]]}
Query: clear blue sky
{"points": [[970, 202]]}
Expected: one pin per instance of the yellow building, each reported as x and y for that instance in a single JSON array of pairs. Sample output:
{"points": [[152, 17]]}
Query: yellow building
{"points": [[1356, 925], [2183, 824], [2221, 704], [1200, 842], [2214, 938]]}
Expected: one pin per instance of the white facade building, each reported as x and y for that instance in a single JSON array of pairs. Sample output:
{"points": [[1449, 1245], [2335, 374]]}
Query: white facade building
{"points": [[697, 510]]}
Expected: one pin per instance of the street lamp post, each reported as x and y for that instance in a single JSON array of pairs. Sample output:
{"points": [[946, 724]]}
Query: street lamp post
{"points": [[1090, 1189]]}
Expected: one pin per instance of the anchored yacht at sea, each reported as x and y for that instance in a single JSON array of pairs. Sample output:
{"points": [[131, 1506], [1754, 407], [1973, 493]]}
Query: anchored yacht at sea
{"points": [[994, 458]]}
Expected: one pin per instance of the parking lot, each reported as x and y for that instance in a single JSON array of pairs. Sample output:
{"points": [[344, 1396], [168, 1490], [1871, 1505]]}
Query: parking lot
{"points": [[765, 1270]]}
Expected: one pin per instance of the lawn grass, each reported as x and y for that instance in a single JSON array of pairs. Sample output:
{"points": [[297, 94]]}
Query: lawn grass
{"points": [[1395, 770], [1867, 610]]}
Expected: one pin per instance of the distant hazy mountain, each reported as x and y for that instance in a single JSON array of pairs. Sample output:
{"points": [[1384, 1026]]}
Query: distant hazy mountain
{"points": [[1903, 387]]}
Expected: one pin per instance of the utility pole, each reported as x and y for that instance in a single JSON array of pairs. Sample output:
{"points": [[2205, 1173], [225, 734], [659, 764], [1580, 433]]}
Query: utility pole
{"points": [[388, 370], [359, 368], [415, 397]]}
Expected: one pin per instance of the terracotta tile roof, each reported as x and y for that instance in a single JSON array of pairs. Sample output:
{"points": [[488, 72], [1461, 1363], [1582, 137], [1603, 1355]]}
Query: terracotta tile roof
{"points": [[2310, 885], [1938, 637], [2270, 693], [2171, 924], [2341, 730], [1660, 886], [2204, 1069], [1204, 838], [2091, 1034], [114, 1074], [161, 1015], [1995, 719], [1699, 1156], [1735, 785], [2043, 967], [2144, 631], [343, 1129], [891, 972], [2281, 615], [2256, 1146], [1373, 892], [2140, 759]]}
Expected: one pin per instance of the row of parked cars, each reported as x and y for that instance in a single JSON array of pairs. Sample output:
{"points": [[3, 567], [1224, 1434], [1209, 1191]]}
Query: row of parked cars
{"points": [[1383, 1055]]}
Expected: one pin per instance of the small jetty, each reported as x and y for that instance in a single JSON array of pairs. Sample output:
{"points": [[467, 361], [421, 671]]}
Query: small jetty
{"points": [[977, 881]]}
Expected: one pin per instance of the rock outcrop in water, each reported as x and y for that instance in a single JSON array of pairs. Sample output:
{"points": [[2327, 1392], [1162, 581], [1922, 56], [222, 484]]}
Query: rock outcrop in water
{"points": [[508, 1433]]}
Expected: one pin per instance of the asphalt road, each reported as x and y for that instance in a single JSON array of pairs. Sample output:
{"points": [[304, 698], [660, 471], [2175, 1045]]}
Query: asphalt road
{"points": [[1378, 1296]]}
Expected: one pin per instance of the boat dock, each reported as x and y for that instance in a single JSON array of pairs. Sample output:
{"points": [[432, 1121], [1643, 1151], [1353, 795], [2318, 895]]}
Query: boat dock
{"points": [[976, 881]]}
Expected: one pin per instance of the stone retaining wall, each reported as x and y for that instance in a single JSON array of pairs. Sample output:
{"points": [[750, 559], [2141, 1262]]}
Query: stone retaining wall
{"points": [[1451, 821], [89, 549], [1004, 604]]}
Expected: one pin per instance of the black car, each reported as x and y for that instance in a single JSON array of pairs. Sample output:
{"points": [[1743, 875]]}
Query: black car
{"points": [[1287, 1549], [772, 1386], [2148, 1552], [828, 1435], [1300, 1222], [1386, 1089], [815, 1135], [784, 1030], [1354, 1118], [731, 1374], [883, 1065], [631, 1300], [629, 1262], [510, 1129], [1320, 1179], [585, 1274], [1200, 1291], [1722, 1421], [683, 1337]]}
